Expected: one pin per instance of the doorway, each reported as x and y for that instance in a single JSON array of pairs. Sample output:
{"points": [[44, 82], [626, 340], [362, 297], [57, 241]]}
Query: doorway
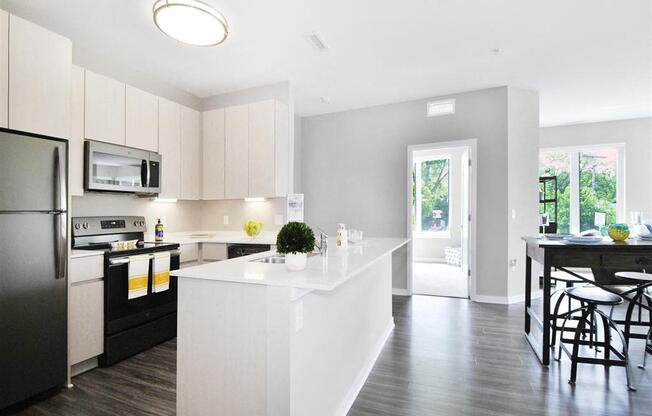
{"points": [[441, 208]]}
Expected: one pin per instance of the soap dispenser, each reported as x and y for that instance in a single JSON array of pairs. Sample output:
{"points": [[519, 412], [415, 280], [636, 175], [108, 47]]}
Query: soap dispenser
{"points": [[342, 236], [158, 231]]}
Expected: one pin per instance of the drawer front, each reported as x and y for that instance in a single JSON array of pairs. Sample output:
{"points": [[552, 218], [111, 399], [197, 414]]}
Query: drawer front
{"points": [[214, 251], [86, 322], [574, 258], [86, 268], [629, 260], [189, 252]]}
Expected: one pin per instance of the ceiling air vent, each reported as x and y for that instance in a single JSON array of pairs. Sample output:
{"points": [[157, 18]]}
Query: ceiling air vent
{"points": [[440, 108], [317, 42]]}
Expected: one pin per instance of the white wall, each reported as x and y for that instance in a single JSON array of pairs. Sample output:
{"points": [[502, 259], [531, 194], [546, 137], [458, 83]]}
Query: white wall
{"points": [[637, 136], [179, 216], [432, 249], [239, 212]]}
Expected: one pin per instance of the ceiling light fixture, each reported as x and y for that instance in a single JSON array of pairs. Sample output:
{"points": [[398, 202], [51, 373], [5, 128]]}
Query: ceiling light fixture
{"points": [[190, 21]]}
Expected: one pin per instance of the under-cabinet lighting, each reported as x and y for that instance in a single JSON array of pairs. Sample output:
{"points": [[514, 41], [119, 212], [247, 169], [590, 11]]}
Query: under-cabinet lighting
{"points": [[165, 200], [254, 199], [440, 108]]}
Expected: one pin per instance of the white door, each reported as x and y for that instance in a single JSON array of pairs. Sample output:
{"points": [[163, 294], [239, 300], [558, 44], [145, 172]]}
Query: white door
{"points": [[466, 220]]}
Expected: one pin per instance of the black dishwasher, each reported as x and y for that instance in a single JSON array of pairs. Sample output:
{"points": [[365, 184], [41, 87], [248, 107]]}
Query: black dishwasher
{"points": [[239, 250]]}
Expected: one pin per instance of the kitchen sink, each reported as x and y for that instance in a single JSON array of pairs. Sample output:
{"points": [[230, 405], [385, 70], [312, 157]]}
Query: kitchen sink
{"points": [[276, 259]]}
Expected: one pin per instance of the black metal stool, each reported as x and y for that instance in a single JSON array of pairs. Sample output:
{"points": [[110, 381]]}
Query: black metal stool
{"points": [[648, 339], [556, 315], [591, 298], [636, 292]]}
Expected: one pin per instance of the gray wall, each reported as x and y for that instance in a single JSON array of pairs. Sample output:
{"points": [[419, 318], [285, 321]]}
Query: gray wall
{"points": [[637, 136], [522, 182], [355, 162]]}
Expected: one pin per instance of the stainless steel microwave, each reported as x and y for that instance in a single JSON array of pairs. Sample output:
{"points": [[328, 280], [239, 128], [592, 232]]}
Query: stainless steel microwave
{"points": [[114, 168]]}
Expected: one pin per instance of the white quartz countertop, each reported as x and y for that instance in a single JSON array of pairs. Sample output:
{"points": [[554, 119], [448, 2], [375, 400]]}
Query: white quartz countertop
{"points": [[321, 273], [238, 237], [75, 254]]}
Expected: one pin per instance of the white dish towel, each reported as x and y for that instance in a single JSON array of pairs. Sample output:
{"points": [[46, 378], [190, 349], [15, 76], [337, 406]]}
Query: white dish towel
{"points": [[161, 272], [138, 276]]}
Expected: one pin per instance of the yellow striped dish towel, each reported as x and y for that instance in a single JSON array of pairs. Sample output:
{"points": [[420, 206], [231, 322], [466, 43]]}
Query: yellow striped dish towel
{"points": [[161, 272], [138, 276]]}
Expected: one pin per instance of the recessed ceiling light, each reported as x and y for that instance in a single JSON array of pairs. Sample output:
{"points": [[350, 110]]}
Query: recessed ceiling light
{"points": [[190, 21], [325, 99]]}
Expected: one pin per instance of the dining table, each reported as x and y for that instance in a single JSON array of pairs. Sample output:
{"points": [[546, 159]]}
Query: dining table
{"points": [[631, 255]]}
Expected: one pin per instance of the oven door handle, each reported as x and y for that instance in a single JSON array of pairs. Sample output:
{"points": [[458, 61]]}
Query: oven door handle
{"points": [[125, 260]]}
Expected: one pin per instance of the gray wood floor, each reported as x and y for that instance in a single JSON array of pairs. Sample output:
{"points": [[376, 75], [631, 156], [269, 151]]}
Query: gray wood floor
{"points": [[445, 357]]}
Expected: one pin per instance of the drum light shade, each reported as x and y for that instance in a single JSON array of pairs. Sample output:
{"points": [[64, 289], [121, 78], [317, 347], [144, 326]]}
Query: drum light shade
{"points": [[190, 21]]}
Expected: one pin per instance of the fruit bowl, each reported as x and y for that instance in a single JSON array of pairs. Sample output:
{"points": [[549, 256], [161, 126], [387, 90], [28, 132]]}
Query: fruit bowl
{"points": [[253, 228]]}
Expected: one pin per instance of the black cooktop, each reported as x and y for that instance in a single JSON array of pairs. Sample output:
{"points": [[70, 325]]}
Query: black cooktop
{"points": [[141, 248]]}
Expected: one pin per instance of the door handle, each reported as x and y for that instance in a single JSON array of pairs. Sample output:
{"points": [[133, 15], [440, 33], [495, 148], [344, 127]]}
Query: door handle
{"points": [[61, 257]]}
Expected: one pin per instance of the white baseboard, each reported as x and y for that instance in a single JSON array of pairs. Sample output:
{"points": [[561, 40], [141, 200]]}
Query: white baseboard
{"points": [[505, 300], [401, 292], [363, 374]]}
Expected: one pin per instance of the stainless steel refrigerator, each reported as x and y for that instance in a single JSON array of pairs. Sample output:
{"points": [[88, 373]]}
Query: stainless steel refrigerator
{"points": [[33, 264]]}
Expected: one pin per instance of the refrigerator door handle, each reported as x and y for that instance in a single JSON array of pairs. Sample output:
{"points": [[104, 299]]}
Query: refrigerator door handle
{"points": [[60, 195], [60, 235]]}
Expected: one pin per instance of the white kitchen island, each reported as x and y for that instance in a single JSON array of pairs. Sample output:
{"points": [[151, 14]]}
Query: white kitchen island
{"points": [[254, 339]]}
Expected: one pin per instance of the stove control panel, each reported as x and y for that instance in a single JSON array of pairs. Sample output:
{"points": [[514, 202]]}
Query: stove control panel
{"points": [[85, 226]]}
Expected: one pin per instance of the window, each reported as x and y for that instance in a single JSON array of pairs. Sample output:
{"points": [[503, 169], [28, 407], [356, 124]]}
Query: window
{"points": [[589, 186], [431, 195]]}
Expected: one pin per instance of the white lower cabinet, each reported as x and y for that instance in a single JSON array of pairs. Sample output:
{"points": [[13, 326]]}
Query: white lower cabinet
{"points": [[189, 253], [86, 320], [213, 252], [86, 308]]}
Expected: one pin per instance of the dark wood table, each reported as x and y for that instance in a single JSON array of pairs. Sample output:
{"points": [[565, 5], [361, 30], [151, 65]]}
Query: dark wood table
{"points": [[627, 255]]}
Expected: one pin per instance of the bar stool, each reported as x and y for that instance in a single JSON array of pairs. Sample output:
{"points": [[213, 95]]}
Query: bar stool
{"points": [[648, 339], [591, 298], [637, 293], [556, 315]]}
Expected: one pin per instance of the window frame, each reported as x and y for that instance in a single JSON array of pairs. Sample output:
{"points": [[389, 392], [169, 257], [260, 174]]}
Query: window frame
{"points": [[417, 231], [573, 153]]}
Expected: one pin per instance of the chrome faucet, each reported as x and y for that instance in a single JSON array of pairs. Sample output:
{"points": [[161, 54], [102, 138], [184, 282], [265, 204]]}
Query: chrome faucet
{"points": [[322, 245]]}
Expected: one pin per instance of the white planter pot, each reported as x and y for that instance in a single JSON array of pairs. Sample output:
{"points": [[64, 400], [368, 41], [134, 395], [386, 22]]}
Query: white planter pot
{"points": [[296, 261]]}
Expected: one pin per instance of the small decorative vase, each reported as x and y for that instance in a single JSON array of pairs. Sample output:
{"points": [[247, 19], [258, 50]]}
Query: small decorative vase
{"points": [[295, 262], [618, 232]]}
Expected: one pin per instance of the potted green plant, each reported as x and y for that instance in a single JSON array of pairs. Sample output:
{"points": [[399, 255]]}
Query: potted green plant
{"points": [[295, 241]]}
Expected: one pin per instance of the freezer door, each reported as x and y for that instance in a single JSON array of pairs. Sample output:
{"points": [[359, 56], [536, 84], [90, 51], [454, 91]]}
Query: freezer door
{"points": [[32, 173], [33, 307]]}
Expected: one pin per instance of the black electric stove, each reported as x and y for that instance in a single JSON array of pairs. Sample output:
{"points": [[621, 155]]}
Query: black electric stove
{"points": [[130, 325]]}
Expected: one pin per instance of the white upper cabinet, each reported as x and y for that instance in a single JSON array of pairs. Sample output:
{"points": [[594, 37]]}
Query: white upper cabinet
{"points": [[169, 146], [76, 143], [213, 154], [4, 68], [261, 149], [39, 79], [236, 156], [104, 109], [268, 149], [141, 123], [282, 149], [190, 153]]}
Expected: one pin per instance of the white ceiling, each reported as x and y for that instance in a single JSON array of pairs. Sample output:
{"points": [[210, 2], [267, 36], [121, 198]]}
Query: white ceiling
{"points": [[590, 60]]}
